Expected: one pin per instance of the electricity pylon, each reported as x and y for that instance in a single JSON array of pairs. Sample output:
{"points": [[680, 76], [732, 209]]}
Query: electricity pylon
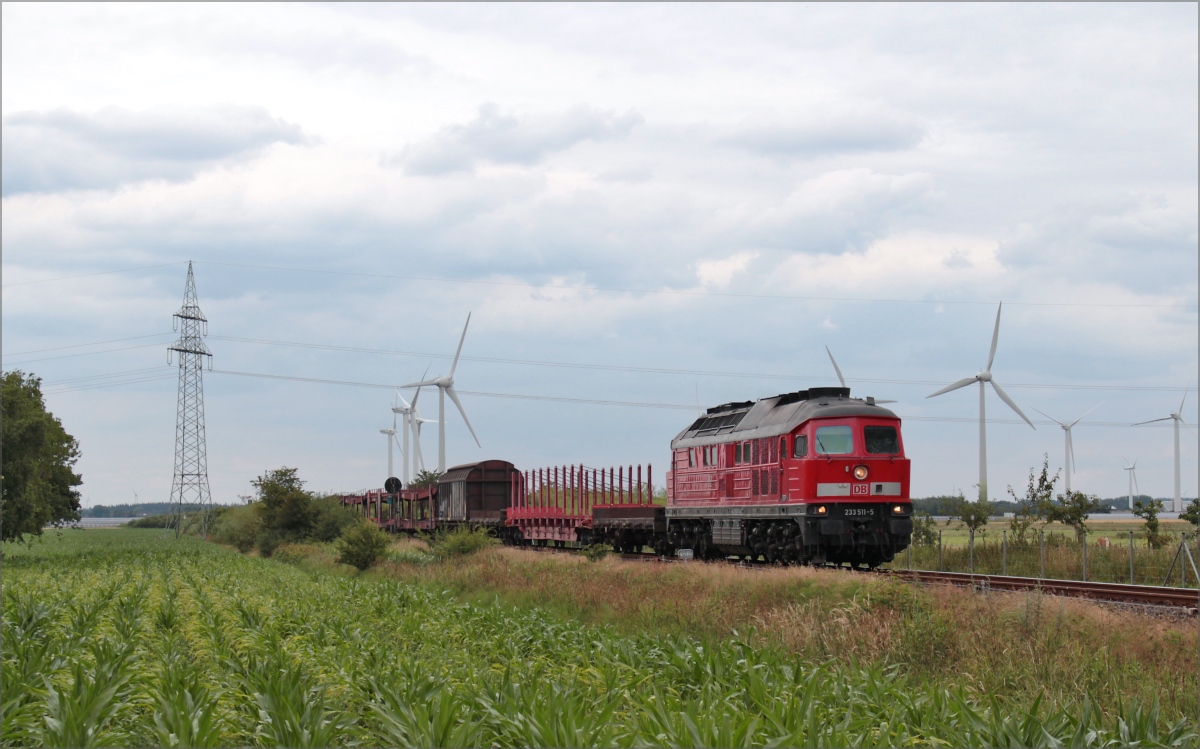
{"points": [[191, 501]]}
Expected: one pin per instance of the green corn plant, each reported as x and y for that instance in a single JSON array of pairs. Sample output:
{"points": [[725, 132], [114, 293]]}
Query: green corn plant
{"points": [[186, 711], [80, 715]]}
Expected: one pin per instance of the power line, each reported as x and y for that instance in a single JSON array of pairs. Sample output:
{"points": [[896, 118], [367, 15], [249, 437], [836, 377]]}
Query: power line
{"points": [[664, 370], [89, 275], [82, 345], [131, 381], [599, 402], [686, 292], [85, 353]]}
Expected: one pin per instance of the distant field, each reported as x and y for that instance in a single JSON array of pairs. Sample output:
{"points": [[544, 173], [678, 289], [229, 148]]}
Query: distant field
{"points": [[128, 637]]}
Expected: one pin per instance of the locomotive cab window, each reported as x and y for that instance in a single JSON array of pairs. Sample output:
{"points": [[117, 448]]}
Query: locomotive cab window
{"points": [[834, 440], [800, 449], [881, 440]]}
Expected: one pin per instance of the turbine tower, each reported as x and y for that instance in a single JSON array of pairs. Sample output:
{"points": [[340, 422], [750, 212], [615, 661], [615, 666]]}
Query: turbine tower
{"points": [[1132, 468], [391, 437], [410, 427], [1177, 417], [445, 386], [1069, 447], [190, 496], [983, 378]]}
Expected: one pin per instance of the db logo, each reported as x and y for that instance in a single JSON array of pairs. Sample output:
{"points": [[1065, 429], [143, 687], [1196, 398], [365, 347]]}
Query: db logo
{"points": [[860, 488]]}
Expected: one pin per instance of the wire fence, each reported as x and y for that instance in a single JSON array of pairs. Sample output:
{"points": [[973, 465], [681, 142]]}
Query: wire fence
{"points": [[1061, 557]]}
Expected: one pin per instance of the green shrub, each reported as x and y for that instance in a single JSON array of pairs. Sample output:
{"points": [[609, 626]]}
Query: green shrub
{"points": [[150, 521], [596, 552], [238, 527], [461, 541], [331, 519], [267, 541], [361, 545]]}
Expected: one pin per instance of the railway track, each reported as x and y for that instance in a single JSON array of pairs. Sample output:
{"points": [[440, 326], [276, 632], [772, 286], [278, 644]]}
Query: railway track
{"points": [[1146, 595], [1150, 595]]}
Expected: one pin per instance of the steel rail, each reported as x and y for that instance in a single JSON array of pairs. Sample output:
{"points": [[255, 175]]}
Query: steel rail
{"points": [[1122, 592], [1147, 595]]}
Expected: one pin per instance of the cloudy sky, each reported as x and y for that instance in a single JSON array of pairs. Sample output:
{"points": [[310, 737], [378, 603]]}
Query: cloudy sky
{"points": [[649, 204]]}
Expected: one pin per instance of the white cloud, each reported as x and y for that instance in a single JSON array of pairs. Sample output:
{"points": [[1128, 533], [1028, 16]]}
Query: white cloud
{"points": [[63, 150], [721, 272]]}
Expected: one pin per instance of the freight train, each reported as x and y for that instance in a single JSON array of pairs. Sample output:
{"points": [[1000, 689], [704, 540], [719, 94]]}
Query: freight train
{"points": [[809, 477]]}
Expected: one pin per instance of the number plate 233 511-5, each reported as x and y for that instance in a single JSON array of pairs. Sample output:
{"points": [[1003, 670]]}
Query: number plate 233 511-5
{"points": [[851, 512]]}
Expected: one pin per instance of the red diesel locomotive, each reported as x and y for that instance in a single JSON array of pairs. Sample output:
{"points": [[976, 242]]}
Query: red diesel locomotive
{"points": [[811, 477]]}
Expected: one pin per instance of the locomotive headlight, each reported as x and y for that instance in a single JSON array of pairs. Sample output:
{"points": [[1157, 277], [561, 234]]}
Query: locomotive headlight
{"points": [[860, 472], [821, 510], [898, 510]]}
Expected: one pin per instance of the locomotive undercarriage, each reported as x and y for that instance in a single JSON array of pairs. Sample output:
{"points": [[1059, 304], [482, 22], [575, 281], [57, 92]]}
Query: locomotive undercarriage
{"points": [[865, 541]]}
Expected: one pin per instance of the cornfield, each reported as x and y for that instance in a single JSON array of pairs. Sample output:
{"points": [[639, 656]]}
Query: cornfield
{"points": [[120, 638]]}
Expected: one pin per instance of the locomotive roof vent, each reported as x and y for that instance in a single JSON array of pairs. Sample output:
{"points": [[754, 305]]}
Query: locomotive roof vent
{"points": [[814, 393], [729, 407]]}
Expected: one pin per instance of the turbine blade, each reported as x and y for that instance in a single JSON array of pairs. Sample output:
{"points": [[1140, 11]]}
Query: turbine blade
{"points": [[1004, 397], [836, 368], [1165, 418], [1180, 411], [454, 397], [995, 338], [1085, 413], [419, 384], [1071, 450], [413, 405], [885, 401], [1051, 418], [460, 343], [960, 384]]}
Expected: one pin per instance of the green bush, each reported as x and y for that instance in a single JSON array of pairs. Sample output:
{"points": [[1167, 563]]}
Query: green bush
{"points": [[596, 552], [461, 541], [331, 519], [361, 545], [238, 527], [267, 541], [150, 521]]}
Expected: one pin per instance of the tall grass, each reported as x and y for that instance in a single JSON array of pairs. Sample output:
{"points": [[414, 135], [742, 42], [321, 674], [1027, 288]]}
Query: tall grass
{"points": [[157, 642]]}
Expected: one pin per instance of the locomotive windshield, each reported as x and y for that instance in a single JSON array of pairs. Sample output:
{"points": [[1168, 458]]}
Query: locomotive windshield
{"points": [[837, 440], [881, 440]]}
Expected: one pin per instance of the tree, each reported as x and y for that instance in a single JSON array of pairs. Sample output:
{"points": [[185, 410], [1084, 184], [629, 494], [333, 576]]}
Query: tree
{"points": [[1072, 509], [424, 478], [1039, 496], [1148, 511], [38, 483], [284, 508], [974, 515], [1191, 513], [924, 531]]}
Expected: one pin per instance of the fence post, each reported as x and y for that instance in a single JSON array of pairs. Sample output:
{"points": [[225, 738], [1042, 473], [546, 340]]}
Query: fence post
{"points": [[1085, 556], [1131, 558], [909, 550], [1004, 552], [939, 551], [1042, 535], [971, 549]]}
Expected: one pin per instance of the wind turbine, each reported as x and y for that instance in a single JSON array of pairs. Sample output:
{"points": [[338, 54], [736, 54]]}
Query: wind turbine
{"points": [[841, 379], [1132, 468], [1176, 417], [445, 386], [1069, 448], [391, 437], [412, 426], [983, 378]]}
